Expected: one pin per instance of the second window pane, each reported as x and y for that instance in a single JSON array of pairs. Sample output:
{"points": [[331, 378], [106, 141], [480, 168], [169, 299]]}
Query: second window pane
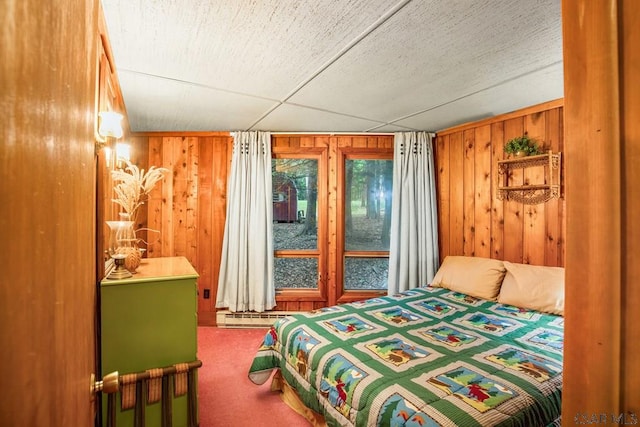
{"points": [[366, 273], [295, 197], [295, 273], [368, 188]]}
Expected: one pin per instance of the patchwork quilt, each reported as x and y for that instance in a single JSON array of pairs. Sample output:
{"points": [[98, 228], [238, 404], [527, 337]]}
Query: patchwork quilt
{"points": [[426, 357]]}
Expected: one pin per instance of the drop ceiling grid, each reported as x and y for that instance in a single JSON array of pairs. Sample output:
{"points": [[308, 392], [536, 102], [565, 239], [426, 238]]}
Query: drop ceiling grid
{"points": [[179, 106], [531, 89], [261, 48], [298, 65], [424, 57]]}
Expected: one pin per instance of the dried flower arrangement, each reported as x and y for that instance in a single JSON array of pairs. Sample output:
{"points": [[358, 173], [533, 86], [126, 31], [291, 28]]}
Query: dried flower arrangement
{"points": [[132, 186]]}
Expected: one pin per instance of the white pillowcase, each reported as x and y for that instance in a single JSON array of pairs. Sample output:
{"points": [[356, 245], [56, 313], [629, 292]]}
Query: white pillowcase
{"points": [[475, 276], [535, 287]]}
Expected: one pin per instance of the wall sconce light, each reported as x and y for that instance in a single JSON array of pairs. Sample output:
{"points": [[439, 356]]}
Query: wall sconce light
{"points": [[123, 153], [110, 124], [109, 128]]}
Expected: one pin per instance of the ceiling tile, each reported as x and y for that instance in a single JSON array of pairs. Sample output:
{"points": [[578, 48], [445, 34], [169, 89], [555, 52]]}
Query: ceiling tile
{"points": [[535, 88], [164, 105]]}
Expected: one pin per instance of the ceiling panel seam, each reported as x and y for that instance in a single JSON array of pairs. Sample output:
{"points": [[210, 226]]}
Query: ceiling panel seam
{"points": [[373, 129], [371, 28], [502, 82], [196, 84], [324, 110]]}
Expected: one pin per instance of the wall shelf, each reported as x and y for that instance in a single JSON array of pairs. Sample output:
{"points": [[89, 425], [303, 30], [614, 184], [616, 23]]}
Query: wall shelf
{"points": [[530, 193]]}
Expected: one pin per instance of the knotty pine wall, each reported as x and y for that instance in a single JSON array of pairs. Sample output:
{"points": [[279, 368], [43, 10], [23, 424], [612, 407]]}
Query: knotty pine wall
{"points": [[472, 220], [189, 207]]}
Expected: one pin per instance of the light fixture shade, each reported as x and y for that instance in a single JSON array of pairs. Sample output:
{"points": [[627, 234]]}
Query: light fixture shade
{"points": [[123, 151], [110, 124]]}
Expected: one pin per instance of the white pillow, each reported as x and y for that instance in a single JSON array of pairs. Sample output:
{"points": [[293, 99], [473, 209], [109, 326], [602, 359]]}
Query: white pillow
{"points": [[475, 276], [535, 287]]}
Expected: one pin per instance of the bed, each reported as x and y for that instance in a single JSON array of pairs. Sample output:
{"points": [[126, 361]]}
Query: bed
{"points": [[453, 353]]}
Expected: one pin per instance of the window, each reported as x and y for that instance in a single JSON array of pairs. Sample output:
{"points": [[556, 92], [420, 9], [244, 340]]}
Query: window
{"points": [[297, 255], [328, 250], [368, 185]]}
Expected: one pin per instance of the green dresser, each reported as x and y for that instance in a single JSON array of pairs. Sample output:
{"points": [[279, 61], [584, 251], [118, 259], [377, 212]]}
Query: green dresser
{"points": [[149, 321]]}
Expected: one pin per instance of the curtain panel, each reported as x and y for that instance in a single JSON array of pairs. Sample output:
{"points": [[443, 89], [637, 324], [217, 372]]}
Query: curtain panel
{"points": [[245, 282], [413, 252]]}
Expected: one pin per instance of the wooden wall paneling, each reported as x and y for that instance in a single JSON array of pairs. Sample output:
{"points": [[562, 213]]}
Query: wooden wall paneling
{"points": [[294, 142], [168, 195], [193, 159], [104, 211], [324, 235], [359, 142], [278, 141], [155, 201], [469, 191], [553, 242], [513, 211], [443, 195], [456, 194], [307, 142], [104, 185], [497, 205], [482, 193], [108, 99], [321, 142], [179, 154], [205, 240], [139, 149], [534, 227], [221, 164], [305, 306], [328, 224], [189, 207], [333, 221], [344, 141]]}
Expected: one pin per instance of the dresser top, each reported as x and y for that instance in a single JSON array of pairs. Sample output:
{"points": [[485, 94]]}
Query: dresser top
{"points": [[154, 269]]}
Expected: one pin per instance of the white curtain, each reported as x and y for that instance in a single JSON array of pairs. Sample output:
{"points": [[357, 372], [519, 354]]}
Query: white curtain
{"points": [[246, 268], [413, 252]]}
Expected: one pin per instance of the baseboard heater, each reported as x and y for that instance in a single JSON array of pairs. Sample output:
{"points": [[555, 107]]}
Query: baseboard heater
{"points": [[249, 319]]}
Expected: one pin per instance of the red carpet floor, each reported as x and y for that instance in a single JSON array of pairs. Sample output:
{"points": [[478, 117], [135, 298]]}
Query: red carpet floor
{"points": [[226, 396]]}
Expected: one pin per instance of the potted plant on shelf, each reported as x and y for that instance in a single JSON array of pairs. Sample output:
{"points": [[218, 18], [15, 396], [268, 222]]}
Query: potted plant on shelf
{"points": [[522, 146]]}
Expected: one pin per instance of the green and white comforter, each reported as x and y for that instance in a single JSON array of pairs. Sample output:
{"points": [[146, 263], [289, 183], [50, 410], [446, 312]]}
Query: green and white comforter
{"points": [[426, 357]]}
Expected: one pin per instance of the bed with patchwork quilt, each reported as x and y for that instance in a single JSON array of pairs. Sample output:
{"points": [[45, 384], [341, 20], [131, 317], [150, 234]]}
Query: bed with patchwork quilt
{"points": [[426, 357]]}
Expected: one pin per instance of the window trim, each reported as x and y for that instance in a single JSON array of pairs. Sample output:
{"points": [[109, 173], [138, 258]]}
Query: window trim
{"points": [[320, 293], [344, 154]]}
